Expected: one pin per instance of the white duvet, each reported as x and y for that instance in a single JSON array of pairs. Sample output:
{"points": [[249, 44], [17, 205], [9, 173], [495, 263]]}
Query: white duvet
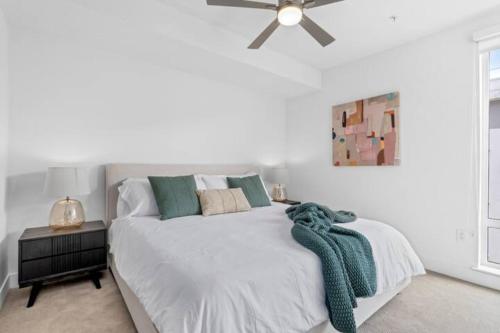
{"points": [[239, 272]]}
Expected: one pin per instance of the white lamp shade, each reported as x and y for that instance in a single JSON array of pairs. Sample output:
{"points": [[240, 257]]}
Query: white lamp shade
{"points": [[278, 175], [67, 181]]}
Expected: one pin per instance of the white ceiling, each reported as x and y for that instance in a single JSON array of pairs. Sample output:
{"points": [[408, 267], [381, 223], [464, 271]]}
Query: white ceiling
{"points": [[212, 41], [361, 27], [160, 34]]}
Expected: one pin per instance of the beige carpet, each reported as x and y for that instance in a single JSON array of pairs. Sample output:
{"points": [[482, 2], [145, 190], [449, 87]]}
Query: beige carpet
{"points": [[432, 303], [69, 307]]}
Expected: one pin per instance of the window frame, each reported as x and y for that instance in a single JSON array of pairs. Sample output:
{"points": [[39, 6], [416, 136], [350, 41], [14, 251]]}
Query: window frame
{"points": [[486, 42]]}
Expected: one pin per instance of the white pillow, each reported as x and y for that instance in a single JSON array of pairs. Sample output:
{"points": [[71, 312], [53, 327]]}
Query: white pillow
{"points": [[200, 185], [219, 182], [122, 209], [214, 182], [136, 197]]}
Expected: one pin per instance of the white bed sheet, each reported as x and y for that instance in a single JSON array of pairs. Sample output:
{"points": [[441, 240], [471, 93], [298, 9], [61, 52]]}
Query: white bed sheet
{"points": [[239, 272]]}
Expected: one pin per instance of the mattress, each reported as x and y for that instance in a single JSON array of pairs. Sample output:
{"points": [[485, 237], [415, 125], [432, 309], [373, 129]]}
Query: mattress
{"points": [[239, 272]]}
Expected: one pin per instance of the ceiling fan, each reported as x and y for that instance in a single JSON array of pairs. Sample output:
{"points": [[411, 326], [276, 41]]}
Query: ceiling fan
{"points": [[289, 13]]}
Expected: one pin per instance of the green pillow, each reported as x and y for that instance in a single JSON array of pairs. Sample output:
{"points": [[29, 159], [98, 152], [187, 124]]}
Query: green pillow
{"points": [[253, 189], [175, 196]]}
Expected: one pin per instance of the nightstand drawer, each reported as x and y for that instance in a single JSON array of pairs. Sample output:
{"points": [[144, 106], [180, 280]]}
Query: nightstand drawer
{"points": [[62, 263], [94, 258], [93, 240], [79, 260], [66, 244], [35, 268], [66, 263], [36, 249]]}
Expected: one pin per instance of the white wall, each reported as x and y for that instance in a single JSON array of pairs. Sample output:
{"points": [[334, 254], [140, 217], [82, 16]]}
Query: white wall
{"points": [[4, 117], [431, 194], [74, 103]]}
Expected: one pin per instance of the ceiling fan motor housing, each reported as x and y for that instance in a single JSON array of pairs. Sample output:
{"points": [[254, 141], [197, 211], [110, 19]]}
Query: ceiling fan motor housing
{"points": [[289, 2]]}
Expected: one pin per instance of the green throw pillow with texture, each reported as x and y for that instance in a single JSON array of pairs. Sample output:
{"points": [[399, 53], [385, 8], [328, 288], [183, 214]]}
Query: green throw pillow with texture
{"points": [[175, 196], [253, 189]]}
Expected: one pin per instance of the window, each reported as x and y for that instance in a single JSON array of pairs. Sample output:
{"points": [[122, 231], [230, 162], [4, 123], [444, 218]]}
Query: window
{"points": [[492, 223], [489, 217]]}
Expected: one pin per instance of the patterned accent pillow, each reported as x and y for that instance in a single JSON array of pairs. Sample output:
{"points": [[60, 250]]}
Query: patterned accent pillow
{"points": [[222, 201]]}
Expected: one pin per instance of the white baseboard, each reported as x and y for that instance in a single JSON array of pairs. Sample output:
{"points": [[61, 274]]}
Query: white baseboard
{"points": [[9, 282], [13, 281], [468, 274], [4, 288]]}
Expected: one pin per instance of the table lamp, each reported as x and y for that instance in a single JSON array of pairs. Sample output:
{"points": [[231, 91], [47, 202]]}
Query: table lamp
{"points": [[63, 182], [278, 177]]}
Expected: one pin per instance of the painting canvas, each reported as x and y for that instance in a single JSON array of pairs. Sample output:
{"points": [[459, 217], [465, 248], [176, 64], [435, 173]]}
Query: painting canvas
{"points": [[366, 132]]}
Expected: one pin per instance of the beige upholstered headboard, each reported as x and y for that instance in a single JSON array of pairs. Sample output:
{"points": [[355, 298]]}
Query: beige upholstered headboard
{"points": [[116, 173]]}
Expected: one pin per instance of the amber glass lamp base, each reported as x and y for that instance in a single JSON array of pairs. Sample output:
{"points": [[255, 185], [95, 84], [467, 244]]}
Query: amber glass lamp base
{"points": [[279, 193], [66, 213]]}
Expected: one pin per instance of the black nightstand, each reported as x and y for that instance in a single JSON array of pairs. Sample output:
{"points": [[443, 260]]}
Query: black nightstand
{"points": [[289, 202], [45, 255]]}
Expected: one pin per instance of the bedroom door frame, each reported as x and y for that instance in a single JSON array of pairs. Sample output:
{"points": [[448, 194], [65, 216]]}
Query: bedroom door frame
{"points": [[487, 41]]}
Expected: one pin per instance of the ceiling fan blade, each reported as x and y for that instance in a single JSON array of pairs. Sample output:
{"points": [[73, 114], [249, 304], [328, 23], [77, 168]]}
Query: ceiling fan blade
{"points": [[242, 3], [317, 3], [257, 43], [323, 37]]}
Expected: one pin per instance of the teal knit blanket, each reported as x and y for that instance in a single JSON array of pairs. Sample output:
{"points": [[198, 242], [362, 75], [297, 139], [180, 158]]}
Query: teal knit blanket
{"points": [[346, 259]]}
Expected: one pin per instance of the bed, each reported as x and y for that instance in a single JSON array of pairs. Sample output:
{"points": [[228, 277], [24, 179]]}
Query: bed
{"points": [[240, 272]]}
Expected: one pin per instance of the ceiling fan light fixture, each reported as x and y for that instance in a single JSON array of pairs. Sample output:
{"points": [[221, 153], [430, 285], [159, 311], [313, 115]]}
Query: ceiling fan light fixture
{"points": [[290, 15]]}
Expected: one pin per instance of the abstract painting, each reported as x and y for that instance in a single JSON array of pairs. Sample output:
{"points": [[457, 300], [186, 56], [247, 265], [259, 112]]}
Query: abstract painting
{"points": [[366, 132]]}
